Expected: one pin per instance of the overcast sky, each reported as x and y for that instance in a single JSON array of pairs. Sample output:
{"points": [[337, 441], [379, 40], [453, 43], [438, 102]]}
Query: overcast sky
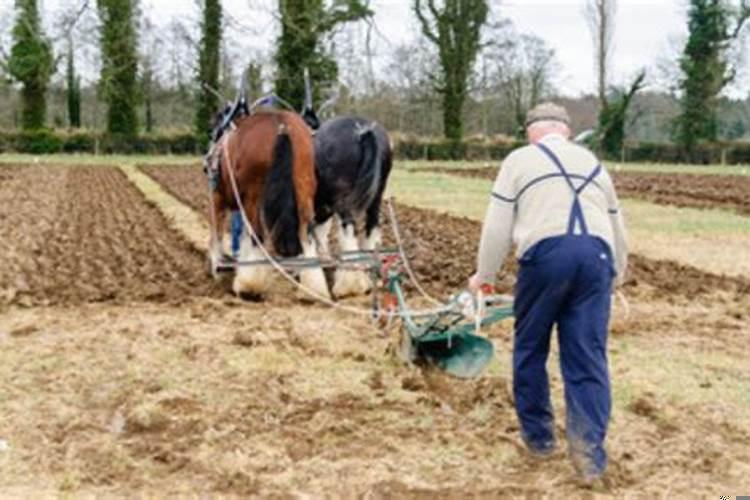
{"points": [[647, 31]]}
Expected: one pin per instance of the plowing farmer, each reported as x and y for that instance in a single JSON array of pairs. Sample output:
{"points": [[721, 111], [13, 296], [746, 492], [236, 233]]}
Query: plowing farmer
{"points": [[555, 201]]}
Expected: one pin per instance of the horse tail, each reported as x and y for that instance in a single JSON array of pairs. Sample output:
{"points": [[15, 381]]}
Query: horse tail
{"points": [[280, 214], [370, 169]]}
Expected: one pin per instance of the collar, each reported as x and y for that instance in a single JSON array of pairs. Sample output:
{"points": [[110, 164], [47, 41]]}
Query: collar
{"points": [[553, 137]]}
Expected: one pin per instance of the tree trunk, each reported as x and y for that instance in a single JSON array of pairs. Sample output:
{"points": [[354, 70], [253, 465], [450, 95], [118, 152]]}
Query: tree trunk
{"points": [[33, 107]]}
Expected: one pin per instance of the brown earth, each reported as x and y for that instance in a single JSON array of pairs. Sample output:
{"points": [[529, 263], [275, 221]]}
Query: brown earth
{"points": [[278, 401], [731, 192], [442, 248], [84, 234]]}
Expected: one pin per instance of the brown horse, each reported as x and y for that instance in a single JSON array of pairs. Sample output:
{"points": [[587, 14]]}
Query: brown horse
{"points": [[271, 155]]}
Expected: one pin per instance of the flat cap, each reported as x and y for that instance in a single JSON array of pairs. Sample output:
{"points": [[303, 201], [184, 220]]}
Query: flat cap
{"points": [[547, 111]]}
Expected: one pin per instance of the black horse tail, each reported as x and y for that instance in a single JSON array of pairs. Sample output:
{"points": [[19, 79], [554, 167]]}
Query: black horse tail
{"points": [[370, 169], [280, 215]]}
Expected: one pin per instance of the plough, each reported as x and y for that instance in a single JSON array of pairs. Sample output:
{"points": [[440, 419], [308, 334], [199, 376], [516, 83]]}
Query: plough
{"points": [[447, 337]]}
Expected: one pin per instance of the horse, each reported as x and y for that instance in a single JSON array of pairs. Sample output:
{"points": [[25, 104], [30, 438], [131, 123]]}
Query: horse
{"points": [[270, 154], [353, 159]]}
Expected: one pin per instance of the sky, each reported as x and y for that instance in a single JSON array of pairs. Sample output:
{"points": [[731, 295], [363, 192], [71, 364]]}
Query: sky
{"points": [[646, 32]]}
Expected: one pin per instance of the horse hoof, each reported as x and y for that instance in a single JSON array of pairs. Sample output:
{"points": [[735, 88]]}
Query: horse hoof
{"points": [[350, 284], [251, 282], [315, 281], [250, 296]]}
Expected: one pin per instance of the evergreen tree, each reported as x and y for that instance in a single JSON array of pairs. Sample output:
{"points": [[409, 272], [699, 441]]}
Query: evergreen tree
{"points": [[208, 67], [712, 25], [455, 29], [119, 75], [73, 90], [31, 63], [304, 23], [613, 118]]}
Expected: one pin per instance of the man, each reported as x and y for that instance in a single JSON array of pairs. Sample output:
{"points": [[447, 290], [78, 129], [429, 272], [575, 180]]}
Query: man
{"points": [[555, 201]]}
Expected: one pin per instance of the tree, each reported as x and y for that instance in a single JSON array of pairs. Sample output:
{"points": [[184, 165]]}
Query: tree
{"points": [[525, 72], [254, 83], [613, 106], [147, 92], [208, 67], [613, 118], [713, 25], [455, 29], [73, 89], [31, 63], [304, 23], [600, 15], [119, 74]]}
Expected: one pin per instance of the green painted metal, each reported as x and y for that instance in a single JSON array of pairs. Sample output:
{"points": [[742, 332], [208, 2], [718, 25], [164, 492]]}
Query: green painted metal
{"points": [[445, 338]]}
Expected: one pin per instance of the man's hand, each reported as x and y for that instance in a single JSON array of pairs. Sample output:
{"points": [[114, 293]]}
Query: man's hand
{"points": [[475, 285]]}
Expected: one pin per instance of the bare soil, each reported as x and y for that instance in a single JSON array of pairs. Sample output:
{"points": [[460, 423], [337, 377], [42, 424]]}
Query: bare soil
{"points": [[730, 192], [442, 248], [84, 234], [172, 387]]}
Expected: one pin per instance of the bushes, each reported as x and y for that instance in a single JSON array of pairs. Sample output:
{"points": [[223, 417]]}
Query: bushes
{"points": [[703, 154], [425, 149], [48, 141], [406, 148], [40, 142]]}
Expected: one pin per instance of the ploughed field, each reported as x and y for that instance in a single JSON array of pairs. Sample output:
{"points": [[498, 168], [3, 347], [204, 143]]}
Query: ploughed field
{"points": [[84, 234], [125, 369], [442, 248], [730, 192]]}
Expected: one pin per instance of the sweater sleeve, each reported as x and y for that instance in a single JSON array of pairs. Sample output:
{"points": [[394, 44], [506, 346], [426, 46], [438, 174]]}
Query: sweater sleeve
{"points": [[617, 221], [497, 230]]}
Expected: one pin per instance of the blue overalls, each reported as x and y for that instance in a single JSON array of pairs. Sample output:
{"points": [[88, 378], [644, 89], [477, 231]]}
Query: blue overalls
{"points": [[565, 280]]}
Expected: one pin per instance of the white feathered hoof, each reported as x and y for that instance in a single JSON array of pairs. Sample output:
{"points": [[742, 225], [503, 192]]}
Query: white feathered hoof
{"points": [[348, 283], [252, 283], [366, 283], [315, 281]]}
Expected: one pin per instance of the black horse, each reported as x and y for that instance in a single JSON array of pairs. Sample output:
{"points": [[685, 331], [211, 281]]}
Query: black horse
{"points": [[353, 160]]}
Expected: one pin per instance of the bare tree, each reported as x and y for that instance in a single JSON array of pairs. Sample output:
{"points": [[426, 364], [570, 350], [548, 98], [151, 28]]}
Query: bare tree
{"points": [[524, 75], [600, 15]]}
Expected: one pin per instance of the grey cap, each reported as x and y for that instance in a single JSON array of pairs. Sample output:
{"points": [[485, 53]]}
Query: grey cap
{"points": [[547, 111]]}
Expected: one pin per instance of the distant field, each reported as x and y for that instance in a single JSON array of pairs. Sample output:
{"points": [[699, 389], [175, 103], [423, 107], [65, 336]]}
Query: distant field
{"points": [[409, 165], [711, 239], [625, 167], [87, 159]]}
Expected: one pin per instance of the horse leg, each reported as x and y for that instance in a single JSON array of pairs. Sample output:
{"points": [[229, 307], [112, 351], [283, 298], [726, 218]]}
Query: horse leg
{"points": [[312, 278], [349, 282], [321, 232], [252, 280], [217, 221], [371, 238]]}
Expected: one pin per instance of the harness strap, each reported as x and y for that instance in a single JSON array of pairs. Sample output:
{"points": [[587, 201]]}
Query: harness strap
{"points": [[576, 212]]}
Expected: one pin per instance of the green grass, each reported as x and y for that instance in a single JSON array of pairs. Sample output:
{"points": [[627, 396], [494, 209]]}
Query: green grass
{"points": [[650, 217]]}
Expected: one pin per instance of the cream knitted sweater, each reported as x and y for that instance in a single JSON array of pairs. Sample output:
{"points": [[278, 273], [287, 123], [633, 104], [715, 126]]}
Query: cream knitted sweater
{"points": [[531, 201]]}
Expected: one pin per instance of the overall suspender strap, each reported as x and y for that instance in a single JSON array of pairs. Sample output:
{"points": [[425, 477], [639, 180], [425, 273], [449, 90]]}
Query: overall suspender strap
{"points": [[576, 212]]}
